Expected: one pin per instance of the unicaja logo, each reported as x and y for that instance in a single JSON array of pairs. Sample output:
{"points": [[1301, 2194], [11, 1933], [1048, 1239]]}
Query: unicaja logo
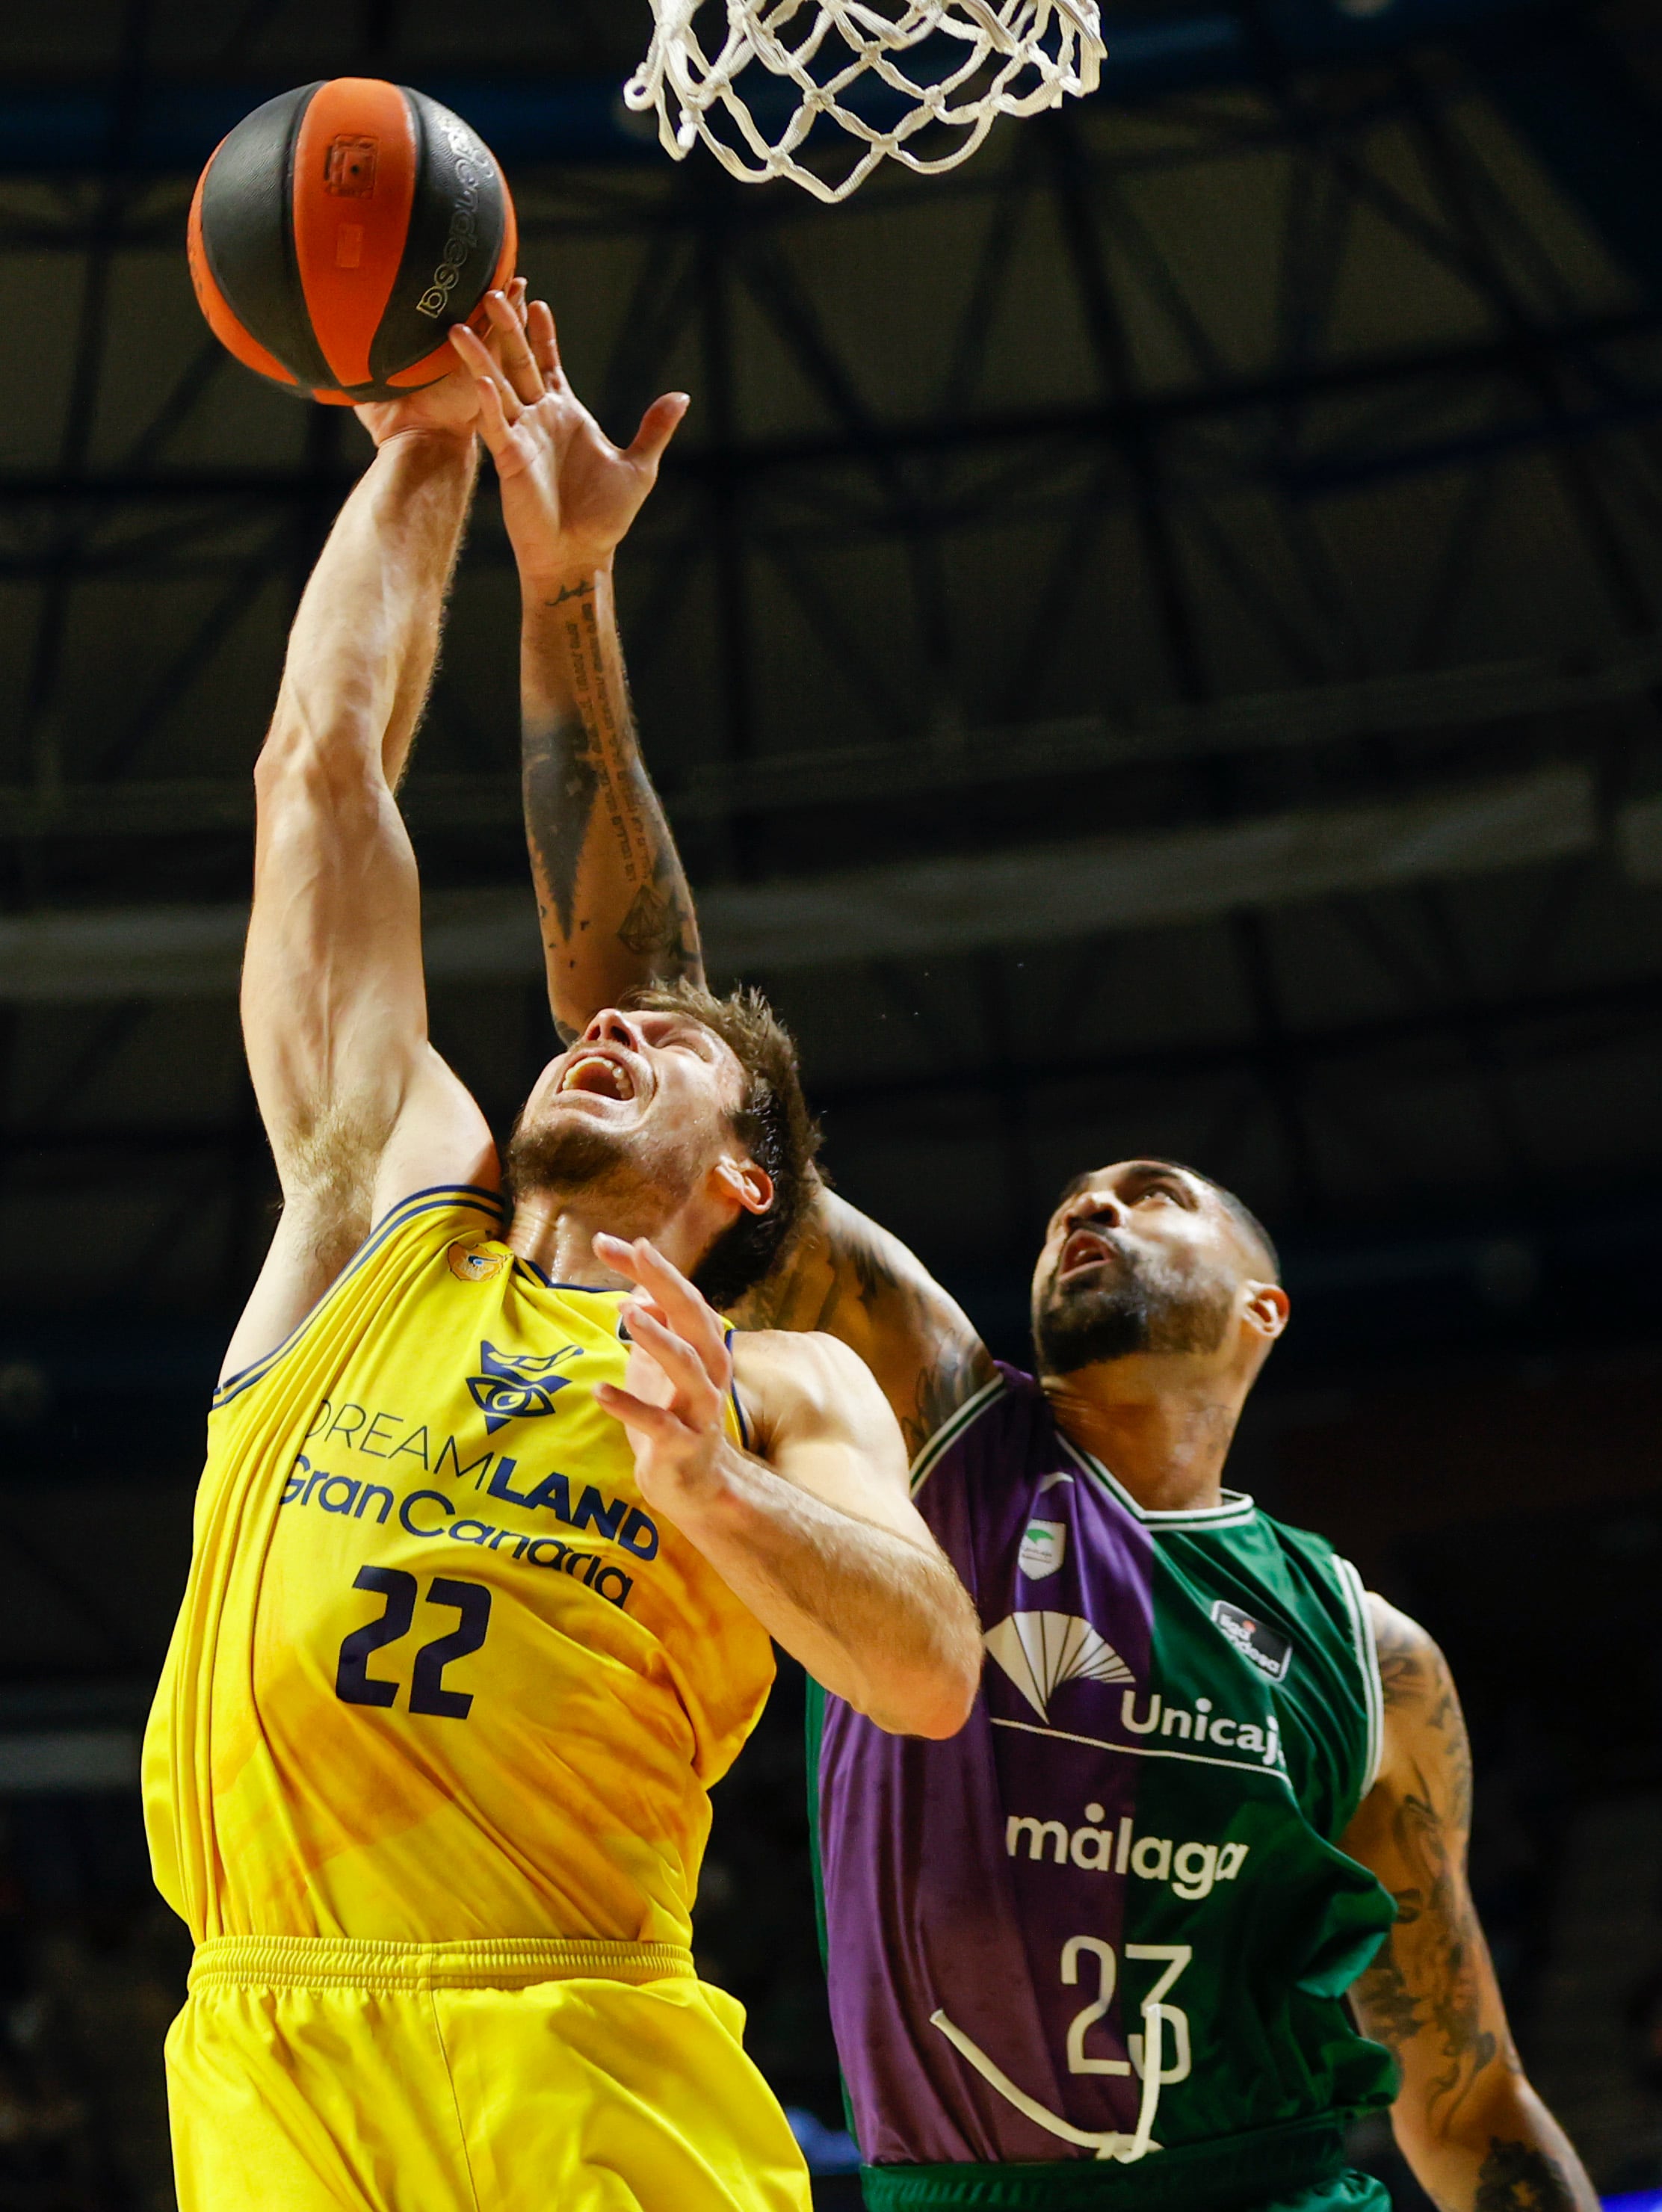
{"points": [[1040, 1651]]}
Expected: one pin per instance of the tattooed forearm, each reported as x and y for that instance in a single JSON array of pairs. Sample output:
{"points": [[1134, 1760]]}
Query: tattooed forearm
{"points": [[1518, 2177], [1476, 2136], [614, 902], [1385, 2005], [561, 781], [1427, 1979], [660, 923]]}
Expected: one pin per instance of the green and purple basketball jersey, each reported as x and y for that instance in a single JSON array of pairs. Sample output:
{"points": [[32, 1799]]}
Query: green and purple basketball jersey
{"points": [[1110, 1920]]}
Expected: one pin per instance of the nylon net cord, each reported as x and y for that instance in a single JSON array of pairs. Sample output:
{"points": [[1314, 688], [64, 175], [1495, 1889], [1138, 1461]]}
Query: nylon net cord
{"points": [[1018, 57]]}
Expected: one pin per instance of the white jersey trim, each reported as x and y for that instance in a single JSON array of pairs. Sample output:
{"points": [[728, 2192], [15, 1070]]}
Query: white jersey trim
{"points": [[1235, 1508], [953, 1427], [1352, 1590], [1277, 1773]]}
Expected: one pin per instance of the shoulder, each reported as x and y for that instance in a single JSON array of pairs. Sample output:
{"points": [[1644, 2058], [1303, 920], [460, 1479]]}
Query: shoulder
{"points": [[1413, 1672], [806, 1388], [847, 1278], [804, 1369], [840, 1266], [1005, 1414], [1425, 1735], [320, 1249]]}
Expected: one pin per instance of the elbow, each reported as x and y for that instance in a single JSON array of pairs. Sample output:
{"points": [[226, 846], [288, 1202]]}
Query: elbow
{"points": [[336, 754], [1506, 2109], [935, 1700], [309, 772], [941, 1717]]}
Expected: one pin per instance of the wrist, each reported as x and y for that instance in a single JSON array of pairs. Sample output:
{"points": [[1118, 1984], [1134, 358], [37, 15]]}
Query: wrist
{"points": [[566, 575], [710, 1494], [441, 442]]}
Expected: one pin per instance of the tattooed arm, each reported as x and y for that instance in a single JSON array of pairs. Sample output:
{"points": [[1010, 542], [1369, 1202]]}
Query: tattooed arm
{"points": [[851, 1279], [1476, 2134], [614, 902], [616, 910]]}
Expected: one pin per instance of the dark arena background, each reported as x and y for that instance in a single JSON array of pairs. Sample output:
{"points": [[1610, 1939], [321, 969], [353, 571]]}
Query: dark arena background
{"points": [[1152, 643]]}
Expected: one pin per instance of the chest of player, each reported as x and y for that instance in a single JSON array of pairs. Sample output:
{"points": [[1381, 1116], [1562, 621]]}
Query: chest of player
{"points": [[478, 1433], [1156, 1687]]}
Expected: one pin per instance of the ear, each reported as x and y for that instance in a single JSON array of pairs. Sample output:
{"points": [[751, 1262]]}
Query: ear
{"points": [[1266, 1309], [746, 1185]]}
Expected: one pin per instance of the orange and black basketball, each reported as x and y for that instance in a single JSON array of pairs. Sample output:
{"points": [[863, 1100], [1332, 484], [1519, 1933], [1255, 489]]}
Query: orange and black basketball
{"points": [[340, 230]]}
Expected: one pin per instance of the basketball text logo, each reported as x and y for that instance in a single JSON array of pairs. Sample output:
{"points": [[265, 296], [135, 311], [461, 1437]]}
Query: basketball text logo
{"points": [[1268, 1650], [471, 163]]}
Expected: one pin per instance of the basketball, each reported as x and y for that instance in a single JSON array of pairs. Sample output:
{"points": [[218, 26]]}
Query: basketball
{"points": [[340, 230]]}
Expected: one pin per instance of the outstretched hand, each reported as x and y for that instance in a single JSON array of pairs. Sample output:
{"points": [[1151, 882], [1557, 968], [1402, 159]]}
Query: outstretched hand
{"points": [[450, 407], [679, 1375], [569, 494]]}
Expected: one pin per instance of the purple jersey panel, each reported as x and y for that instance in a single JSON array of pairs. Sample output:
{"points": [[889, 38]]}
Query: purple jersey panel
{"points": [[926, 1907]]}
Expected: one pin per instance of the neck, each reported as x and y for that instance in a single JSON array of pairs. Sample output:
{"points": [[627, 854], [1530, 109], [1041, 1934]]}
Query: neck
{"points": [[1162, 1431], [555, 1231]]}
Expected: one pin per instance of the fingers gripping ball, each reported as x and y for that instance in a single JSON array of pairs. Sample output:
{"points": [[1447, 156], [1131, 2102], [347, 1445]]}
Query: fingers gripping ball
{"points": [[339, 232]]}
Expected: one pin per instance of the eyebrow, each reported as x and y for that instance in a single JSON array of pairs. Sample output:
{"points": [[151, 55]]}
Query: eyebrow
{"points": [[688, 1025], [1140, 1174], [1156, 1171]]}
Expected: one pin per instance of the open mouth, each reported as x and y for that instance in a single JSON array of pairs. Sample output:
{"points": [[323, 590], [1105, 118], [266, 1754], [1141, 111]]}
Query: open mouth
{"points": [[1085, 1248], [598, 1075]]}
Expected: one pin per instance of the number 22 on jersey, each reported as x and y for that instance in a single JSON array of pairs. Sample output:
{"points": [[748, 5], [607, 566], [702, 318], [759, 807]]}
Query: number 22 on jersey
{"points": [[356, 1686]]}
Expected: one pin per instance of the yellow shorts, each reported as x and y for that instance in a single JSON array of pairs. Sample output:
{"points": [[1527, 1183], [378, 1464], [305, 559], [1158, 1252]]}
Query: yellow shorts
{"points": [[328, 2074]]}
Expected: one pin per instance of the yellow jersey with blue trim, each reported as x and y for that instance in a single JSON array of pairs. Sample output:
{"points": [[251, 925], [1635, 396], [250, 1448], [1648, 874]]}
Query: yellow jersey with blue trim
{"points": [[441, 1673]]}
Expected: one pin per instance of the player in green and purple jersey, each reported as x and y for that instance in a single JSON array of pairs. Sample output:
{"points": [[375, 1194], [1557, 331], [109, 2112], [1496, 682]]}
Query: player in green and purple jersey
{"points": [[1189, 1891]]}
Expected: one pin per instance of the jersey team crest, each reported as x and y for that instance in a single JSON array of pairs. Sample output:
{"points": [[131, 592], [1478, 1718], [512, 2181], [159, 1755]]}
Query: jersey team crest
{"points": [[472, 1263], [1043, 1547], [517, 1387]]}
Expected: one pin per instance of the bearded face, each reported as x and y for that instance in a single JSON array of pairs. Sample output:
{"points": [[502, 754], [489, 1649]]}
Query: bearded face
{"points": [[624, 1172], [632, 1117], [1108, 1297]]}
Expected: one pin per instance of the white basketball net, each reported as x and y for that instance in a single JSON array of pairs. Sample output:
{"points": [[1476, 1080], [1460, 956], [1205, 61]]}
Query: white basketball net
{"points": [[1018, 55]]}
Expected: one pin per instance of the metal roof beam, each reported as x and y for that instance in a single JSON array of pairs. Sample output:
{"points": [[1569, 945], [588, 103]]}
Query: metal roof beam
{"points": [[965, 903], [172, 126], [1117, 419]]}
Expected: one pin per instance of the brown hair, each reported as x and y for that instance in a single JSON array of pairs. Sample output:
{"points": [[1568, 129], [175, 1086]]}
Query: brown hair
{"points": [[772, 1120]]}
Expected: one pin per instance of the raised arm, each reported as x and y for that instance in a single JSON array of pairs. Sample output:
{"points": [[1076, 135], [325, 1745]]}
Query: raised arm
{"points": [[614, 904], [359, 1108], [812, 1527], [616, 908], [1476, 2134]]}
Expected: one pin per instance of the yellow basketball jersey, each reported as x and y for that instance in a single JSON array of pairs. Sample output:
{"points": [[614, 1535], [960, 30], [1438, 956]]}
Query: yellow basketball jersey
{"points": [[440, 1673]]}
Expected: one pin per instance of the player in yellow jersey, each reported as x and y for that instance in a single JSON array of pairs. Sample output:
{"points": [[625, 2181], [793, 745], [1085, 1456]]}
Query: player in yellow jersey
{"points": [[494, 1528]]}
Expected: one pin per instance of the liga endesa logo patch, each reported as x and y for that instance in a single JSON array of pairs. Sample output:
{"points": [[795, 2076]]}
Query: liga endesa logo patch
{"points": [[1269, 1652]]}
